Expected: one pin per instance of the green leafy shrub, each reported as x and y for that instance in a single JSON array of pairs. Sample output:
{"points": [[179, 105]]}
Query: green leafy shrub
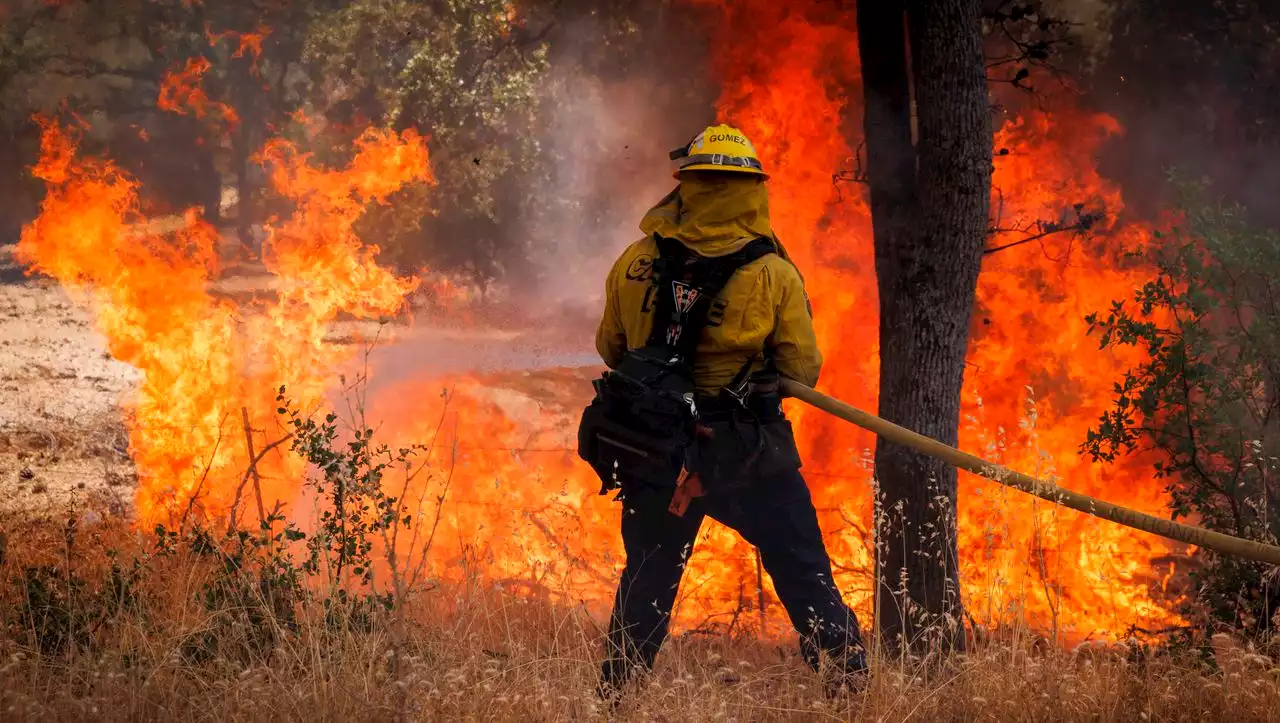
{"points": [[251, 588], [58, 609], [1207, 400]]}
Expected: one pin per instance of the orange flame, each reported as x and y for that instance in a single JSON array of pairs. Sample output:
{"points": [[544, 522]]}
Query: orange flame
{"points": [[1018, 556], [247, 44], [523, 507], [206, 361], [520, 506], [181, 92]]}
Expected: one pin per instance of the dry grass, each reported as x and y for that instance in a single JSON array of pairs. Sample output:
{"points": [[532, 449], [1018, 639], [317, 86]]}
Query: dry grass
{"points": [[471, 653]]}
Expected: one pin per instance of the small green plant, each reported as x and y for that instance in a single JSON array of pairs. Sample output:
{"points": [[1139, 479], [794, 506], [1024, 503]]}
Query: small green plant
{"points": [[358, 511], [251, 598], [254, 585], [262, 578], [59, 610]]}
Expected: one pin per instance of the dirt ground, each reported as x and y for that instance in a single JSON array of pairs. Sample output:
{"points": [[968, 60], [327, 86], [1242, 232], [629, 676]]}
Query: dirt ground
{"points": [[62, 436]]}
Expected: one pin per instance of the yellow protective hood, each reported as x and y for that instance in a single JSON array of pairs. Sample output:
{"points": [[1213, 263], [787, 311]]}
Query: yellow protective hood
{"points": [[713, 216]]}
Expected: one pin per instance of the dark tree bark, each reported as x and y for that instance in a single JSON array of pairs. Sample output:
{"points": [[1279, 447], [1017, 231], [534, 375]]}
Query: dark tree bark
{"points": [[930, 201], [246, 139]]}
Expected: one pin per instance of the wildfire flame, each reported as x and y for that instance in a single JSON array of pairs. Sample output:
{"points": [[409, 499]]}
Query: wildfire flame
{"points": [[209, 362], [524, 509], [513, 501], [182, 92], [1020, 558], [247, 44]]}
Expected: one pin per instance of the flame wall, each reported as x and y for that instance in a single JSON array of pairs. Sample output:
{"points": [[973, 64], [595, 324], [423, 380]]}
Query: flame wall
{"points": [[209, 364], [504, 494], [1035, 381]]}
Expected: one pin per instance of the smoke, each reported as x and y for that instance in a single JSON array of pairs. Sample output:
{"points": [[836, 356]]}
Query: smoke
{"points": [[1195, 86], [609, 114], [610, 141], [1091, 22]]}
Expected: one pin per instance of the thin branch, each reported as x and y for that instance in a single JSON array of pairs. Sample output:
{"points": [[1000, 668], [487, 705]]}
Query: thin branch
{"points": [[1193, 442], [1034, 45], [857, 175], [519, 44], [444, 493], [191, 501], [252, 471], [575, 560], [253, 468], [1085, 223]]}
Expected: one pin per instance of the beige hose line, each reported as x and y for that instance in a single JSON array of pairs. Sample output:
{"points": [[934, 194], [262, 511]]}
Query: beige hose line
{"points": [[1225, 544]]}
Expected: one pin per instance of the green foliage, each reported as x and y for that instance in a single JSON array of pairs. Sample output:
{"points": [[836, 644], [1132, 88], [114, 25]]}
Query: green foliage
{"points": [[58, 610], [252, 595], [263, 578], [358, 509], [1207, 400], [475, 76], [466, 73], [255, 585]]}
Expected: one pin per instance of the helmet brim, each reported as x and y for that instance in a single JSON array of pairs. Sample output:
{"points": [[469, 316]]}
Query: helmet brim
{"points": [[720, 169]]}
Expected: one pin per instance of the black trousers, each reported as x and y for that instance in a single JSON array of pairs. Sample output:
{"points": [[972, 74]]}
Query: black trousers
{"points": [[774, 514]]}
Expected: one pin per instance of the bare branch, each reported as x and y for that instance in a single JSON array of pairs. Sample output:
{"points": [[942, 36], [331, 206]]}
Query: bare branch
{"points": [[1032, 40], [1044, 229], [252, 471], [191, 501]]}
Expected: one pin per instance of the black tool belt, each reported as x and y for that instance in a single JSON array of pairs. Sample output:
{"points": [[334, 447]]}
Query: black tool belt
{"points": [[761, 407], [640, 424], [743, 438]]}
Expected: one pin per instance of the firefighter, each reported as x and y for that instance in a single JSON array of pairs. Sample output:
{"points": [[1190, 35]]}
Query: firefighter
{"points": [[758, 326]]}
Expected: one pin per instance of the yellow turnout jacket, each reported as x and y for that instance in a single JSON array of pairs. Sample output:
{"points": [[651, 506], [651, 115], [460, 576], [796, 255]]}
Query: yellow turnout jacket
{"points": [[763, 306]]}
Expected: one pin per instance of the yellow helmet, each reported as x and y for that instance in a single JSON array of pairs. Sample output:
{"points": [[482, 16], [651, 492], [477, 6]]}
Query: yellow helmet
{"points": [[719, 148]]}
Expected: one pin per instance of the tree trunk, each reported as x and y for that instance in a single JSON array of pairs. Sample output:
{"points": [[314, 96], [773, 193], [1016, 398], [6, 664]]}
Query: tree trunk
{"points": [[930, 209], [244, 189], [886, 86]]}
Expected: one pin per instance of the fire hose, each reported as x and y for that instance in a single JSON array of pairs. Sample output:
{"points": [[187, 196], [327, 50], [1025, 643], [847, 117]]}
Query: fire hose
{"points": [[1049, 491]]}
